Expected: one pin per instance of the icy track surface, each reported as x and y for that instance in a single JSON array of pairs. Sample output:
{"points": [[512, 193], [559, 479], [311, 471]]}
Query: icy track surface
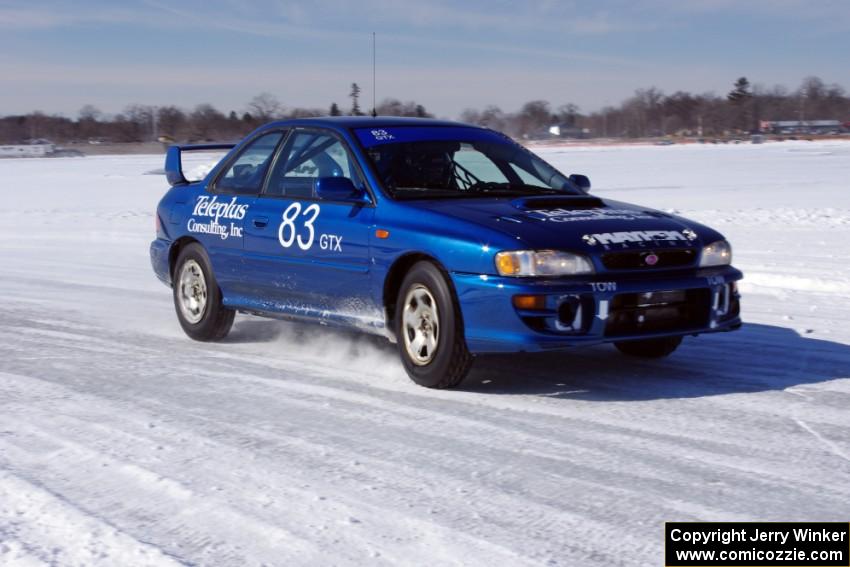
{"points": [[123, 443]]}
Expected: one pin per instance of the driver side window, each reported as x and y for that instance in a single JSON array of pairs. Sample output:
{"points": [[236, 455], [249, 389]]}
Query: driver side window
{"points": [[308, 156], [245, 175]]}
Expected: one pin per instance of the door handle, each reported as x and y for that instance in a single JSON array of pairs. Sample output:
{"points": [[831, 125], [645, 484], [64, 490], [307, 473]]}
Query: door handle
{"points": [[261, 222]]}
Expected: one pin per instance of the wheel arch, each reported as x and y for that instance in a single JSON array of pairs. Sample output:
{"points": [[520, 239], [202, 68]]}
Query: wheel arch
{"points": [[395, 276], [175, 249]]}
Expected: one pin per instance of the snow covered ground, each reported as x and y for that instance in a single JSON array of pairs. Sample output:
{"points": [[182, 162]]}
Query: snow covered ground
{"points": [[124, 443]]}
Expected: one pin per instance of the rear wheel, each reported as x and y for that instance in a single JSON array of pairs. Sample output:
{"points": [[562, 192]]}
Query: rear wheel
{"points": [[197, 297], [649, 348], [429, 329]]}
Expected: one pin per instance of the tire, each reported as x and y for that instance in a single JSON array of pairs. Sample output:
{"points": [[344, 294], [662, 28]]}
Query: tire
{"points": [[649, 348], [429, 329], [197, 297]]}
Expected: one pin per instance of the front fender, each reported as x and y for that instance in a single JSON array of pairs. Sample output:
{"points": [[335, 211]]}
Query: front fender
{"points": [[460, 246]]}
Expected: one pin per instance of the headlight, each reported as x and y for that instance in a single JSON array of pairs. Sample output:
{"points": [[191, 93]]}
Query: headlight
{"points": [[716, 254], [542, 263]]}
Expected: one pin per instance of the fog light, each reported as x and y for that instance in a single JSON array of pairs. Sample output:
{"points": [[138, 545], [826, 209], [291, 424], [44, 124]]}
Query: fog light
{"points": [[570, 315], [567, 311], [530, 302]]}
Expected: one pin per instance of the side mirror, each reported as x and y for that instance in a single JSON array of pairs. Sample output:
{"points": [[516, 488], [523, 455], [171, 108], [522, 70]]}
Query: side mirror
{"points": [[339, 189], [580, 181]]}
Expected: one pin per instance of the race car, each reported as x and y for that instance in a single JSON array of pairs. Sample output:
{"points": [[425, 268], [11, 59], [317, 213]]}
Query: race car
{"points": [[451, 240]]}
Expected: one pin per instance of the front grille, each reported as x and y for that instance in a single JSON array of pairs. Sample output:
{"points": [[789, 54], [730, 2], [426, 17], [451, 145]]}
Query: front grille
{"points": [[637, 259], [657, 312]]}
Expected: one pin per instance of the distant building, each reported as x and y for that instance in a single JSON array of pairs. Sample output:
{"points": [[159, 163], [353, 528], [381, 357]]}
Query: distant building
{"points": [[568, 131], [802, 126], [38, 148]]}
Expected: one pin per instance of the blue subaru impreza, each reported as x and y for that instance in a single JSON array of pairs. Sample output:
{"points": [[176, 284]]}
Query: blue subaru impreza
{"points": [[451, 240]]}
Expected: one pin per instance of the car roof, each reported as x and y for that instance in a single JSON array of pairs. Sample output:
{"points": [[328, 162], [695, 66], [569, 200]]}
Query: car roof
{"points": [[365, 122]]}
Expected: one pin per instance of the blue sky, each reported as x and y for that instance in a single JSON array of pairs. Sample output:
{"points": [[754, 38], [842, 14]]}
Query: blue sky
{"points": [[56, 56]]}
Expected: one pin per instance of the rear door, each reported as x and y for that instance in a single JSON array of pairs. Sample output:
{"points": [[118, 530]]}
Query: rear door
{"points": [[306, 254], [218, 214]]}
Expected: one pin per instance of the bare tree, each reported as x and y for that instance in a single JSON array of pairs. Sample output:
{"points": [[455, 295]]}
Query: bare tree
{"points": [[138, 123], [265, 107], [90, 113], [533, 117], [682, 108], [568, 114], [305, 112], [206, 122], [648, 105], [87, 123], [171, 121], [395, 107]]}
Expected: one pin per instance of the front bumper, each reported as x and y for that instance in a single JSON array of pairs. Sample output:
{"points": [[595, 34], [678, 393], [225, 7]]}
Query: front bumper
{"points": [[492, 323]]}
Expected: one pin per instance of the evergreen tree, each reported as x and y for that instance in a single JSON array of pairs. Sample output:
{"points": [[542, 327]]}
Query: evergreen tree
{"points": [[335, 110], [355, 100], [740, 97], [741, 92]]}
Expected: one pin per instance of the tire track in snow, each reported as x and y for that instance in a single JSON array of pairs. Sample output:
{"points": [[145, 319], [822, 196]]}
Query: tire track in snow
{"points": [[39, 527], [409, 519], [413, 528], [319, 396]]}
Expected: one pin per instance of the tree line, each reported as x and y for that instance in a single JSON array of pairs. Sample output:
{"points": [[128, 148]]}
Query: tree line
{"points": [[649, 112], [145, 123]]}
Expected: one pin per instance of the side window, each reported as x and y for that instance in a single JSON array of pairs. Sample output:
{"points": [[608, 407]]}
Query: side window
{"points": [[308, 156], [245, 175]]}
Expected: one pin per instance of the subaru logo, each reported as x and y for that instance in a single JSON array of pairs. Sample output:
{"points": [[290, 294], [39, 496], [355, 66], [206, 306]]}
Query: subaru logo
{"points": [[651, 259]]}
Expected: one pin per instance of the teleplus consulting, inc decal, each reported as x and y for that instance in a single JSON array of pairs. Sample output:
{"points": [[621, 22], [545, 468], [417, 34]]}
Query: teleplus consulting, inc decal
{"points": [[216, 211]]}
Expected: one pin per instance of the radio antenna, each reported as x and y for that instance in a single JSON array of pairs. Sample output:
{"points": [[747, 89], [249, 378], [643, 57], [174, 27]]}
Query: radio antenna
{"points": [[374, 97]]}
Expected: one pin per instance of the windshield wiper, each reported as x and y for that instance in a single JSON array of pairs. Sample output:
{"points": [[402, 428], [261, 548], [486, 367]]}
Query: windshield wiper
{"points": [[425, 193], [505, 187], [477, 190]]}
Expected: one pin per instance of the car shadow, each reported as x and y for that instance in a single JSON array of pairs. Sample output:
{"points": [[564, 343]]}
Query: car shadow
{"points": [[756, 358]]}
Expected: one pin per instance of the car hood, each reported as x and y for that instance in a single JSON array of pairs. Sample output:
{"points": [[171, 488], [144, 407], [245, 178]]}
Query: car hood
{"points": [[580, 223]]}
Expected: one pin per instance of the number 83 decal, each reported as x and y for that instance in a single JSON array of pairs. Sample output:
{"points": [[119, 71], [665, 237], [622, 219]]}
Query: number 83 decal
{"points": [[288, 233]]}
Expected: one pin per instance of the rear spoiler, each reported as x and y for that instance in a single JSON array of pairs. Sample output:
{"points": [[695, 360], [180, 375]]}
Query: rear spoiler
{"points": [[174, 161]]}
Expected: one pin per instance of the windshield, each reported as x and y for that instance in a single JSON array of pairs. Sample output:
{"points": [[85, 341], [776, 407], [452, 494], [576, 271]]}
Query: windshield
{"points": [[445, 162]]}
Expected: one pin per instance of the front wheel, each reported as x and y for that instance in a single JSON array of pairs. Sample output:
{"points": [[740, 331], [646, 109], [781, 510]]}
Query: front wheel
{"points": [[429, 329], [649, 348], [197, 297]]}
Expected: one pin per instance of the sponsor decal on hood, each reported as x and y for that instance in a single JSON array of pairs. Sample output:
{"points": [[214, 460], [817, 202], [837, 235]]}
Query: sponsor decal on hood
{"points": [[639, 236], [581, 215]]}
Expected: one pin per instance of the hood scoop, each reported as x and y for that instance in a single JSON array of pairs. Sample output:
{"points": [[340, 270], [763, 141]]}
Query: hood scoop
{"points": [[558, 202]]}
